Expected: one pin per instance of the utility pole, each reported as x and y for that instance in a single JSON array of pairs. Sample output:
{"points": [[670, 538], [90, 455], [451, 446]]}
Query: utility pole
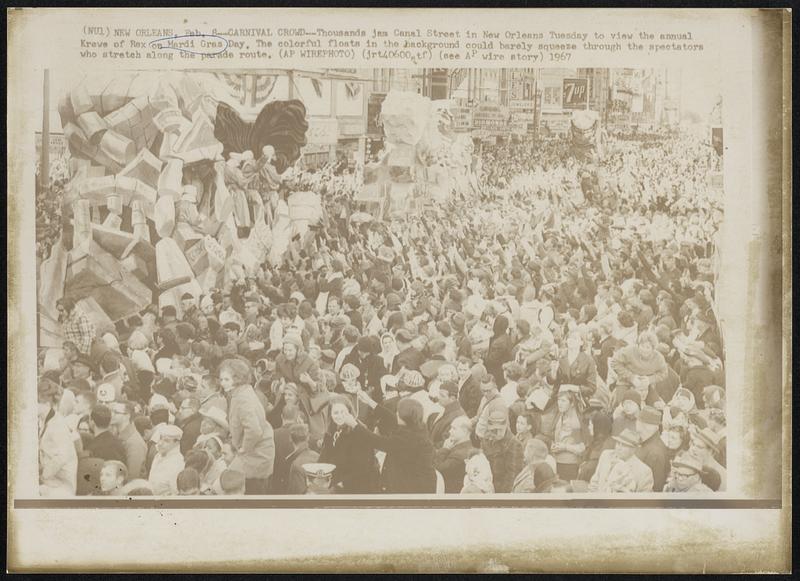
{"points": [[44, 167]]}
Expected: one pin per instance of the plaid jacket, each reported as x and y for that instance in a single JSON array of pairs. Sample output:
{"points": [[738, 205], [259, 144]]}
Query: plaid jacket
{"points": [[79, 329]]}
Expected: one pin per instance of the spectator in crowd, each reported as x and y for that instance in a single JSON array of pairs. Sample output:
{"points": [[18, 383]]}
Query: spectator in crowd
{"points": [[113, 475], [478, 475], [685, 475], [58, 459], [451, 409], [569, 432], [78, 327], [450, 458], [105, 444], [300, 455], [251, 434], [408, 467], [357, 469], [132, 442], [653, 451], [504, 452], [168, 462], [620, 469]]}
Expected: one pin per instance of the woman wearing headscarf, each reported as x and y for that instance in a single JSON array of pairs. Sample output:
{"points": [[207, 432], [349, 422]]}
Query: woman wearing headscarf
{"points": [[477, 475], [389, 350], [293, 365], [499, 349], [350, 450], [408, 467], [569, 433]]}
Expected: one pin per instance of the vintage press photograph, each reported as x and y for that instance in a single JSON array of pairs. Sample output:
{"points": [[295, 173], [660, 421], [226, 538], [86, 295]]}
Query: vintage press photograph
{"points": [[465, 281]]}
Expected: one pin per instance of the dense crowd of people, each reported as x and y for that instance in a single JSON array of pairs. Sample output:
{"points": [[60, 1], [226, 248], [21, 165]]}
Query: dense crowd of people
{"points": [[552, 333]]}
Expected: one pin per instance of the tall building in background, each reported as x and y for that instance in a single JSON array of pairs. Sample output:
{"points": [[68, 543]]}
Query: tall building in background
{"points": [[599, 88]]}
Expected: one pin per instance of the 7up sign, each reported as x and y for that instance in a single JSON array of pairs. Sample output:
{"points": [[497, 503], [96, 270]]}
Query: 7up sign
{"points": [[575, 94]]}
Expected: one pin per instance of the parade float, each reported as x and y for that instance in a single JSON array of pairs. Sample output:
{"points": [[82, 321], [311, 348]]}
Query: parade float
{"points": [[170, 191], [424, 160]]}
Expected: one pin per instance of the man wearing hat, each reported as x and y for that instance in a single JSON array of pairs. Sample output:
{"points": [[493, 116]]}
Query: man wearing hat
{"points": [[189, 309], [214, 422], [705, 446], [168, 461], [82, 368], [685, 475], [252, 308], [504, 451], [653, 451], [436, 349], [169, 318], [409, 356], [627, 410], [620, 470]]}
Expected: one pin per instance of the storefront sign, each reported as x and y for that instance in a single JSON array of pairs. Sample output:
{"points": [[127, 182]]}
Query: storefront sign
{"points": [[351, 126], [322, 131], [575, 93], [374, 127]]}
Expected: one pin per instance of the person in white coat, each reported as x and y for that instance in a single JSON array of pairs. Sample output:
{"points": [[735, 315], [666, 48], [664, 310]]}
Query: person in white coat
{"points": [[168, 463], [58, 459]]}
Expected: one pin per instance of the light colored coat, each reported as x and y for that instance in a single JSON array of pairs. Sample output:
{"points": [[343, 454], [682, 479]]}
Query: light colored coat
{"points": [[251, 434], [164, 472], [58, 459], [614, 475]]}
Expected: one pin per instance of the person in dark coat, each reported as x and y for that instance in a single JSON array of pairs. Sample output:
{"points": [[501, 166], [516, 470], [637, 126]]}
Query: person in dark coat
{"points": [[469, 391], [440, 424], [371, 366], [408, 467], [301, 454], [499, 352], [504, 452], [450, 459], [576, 367], [290, 415], [350, 451], [105, 444], [409, 356], [600, 423], [189, 420], [653, 451]]}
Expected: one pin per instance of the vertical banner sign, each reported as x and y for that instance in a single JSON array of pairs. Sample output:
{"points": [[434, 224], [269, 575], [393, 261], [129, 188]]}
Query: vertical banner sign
{"points": [[374, 126], [716, 139], [439, 84], [575, 93]]}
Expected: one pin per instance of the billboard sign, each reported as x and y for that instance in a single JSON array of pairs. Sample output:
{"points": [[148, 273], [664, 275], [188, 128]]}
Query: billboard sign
{"points": [[575, 94]]}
